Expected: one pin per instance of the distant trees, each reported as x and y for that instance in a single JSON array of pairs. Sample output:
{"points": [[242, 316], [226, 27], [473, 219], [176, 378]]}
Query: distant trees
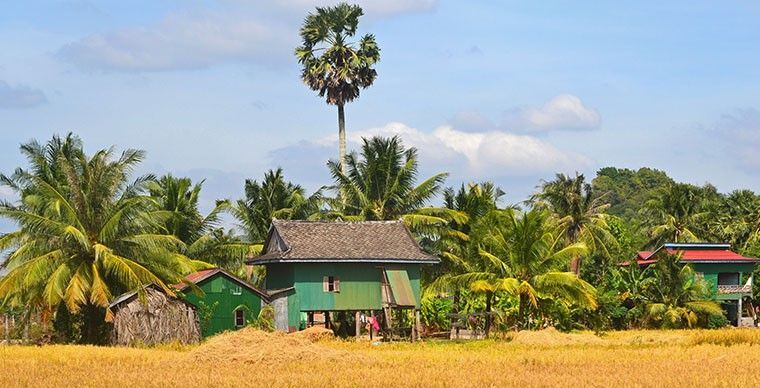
{"points": [[335, 65]]}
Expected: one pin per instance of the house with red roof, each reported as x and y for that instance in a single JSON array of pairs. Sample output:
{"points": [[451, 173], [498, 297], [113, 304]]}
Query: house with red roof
{"points": [[729, 274]]}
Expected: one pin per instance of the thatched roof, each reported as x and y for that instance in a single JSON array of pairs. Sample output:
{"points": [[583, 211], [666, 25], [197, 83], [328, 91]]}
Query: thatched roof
{"points": [[367, 241]]}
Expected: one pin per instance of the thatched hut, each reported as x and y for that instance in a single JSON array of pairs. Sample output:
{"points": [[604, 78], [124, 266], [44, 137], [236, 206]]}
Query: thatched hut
{"points": [[152, 318]]}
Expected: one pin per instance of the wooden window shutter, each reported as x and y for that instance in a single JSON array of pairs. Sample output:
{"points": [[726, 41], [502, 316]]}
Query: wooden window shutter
{"points": [[336, 285], [325, 284]]}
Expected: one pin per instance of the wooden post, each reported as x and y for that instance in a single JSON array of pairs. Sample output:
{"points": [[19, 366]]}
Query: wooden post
{"points": [[358, 316], [327, 319], [739, 313], [417, 323]]}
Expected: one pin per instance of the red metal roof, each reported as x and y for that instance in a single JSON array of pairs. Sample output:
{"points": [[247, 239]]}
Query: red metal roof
{"points": [[196, 277], [697, 255]]}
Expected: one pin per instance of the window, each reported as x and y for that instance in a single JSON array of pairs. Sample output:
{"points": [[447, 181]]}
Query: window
{"points": [[728, 279], [239, 318], [330, 284], [236, 290]]}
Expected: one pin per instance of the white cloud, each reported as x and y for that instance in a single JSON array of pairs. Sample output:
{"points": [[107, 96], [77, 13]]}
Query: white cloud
{"points": [[371, 7], [238, 32], [485, 154], [740, 131], [20, 96], [182, 41], [563, 112]]}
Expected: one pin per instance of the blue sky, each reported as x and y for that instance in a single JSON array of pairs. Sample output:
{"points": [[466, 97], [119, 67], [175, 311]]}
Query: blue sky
{"points": [[507, 91]]}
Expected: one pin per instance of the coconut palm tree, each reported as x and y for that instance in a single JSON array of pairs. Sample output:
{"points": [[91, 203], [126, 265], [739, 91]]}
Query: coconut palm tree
{"points": [[333, 64], [274, 197], [674, 296], [85, 233], [202, 237], [381, 184], [676, 214], [581, 215], [522, 255], [453, 244]]}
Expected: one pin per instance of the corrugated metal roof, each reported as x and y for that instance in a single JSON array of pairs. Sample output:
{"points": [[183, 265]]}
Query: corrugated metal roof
{"points": [[367, 241], [697, 253]]}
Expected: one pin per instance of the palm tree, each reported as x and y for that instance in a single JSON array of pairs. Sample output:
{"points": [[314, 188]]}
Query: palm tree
{"points": [[736, 218], [274, 197], [381, 185], [333, 65], [581, 215], [675, 296], [675, 215], [453, 244], [201, 236], [521, 255], [85, 233]]}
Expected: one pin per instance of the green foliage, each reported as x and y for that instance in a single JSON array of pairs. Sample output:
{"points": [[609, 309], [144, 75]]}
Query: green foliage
{"points": [[86, 233], [205, 313], [435, 311], [274, 197], [381, 184], [265, 320]]}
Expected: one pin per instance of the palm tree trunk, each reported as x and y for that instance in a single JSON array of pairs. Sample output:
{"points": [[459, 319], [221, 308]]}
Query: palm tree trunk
{"points": [[521, 312], [455, 313], [489, 296], [575, 265], [342, 138]]}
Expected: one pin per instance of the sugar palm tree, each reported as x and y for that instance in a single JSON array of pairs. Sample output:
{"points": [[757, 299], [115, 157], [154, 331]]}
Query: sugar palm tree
{"points": [[676, 214], [581, 215], [274, 197], [675, 296], [522, 255], [85, 233], [334, 65]]}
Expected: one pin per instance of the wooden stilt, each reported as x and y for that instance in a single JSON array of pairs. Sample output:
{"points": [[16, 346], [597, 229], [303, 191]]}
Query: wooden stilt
{"points": [[358, 317], [417, 323], [327, 319]]}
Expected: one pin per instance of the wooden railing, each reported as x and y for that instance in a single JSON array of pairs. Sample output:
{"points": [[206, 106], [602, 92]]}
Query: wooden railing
{"points": [[734, 289]]}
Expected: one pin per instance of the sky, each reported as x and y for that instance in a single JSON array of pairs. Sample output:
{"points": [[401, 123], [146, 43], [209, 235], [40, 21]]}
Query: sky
{"points": [[512, 92]]}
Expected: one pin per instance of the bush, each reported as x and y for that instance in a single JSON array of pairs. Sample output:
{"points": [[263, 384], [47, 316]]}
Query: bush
{"points": [[716, 321]]}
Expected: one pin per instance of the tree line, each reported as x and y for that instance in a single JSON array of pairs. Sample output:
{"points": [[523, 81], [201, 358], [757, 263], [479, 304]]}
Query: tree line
{"points": [[89, 230]]}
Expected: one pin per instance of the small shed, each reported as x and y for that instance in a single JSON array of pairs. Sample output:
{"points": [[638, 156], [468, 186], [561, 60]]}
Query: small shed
{"points": [[152, 317], [314, 269], [226, 303]]}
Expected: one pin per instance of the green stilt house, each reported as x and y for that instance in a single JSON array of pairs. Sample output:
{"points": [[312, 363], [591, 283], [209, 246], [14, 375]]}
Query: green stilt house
{"points": [[729, 274], [314, 269], [227, 303]]}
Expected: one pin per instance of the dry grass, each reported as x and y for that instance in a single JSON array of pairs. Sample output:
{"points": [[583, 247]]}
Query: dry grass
{"points": [[636, 358]]}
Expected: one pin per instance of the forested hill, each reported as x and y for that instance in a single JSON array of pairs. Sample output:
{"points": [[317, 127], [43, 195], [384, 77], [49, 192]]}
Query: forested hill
{"points": [[653, 207]]}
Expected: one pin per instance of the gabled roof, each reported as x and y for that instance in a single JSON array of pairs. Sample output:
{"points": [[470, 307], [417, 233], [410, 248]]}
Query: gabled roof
{"points": [[129, 296], [201, 276], [696, 253], [318, 241]]}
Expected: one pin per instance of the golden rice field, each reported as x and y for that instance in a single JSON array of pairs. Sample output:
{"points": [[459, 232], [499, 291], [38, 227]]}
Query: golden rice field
{"points": [[547, 358]]}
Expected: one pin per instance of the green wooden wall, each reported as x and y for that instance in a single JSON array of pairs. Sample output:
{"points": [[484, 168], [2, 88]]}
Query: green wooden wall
{"points": [[220, 292], [360, 286], [711, 272]]}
